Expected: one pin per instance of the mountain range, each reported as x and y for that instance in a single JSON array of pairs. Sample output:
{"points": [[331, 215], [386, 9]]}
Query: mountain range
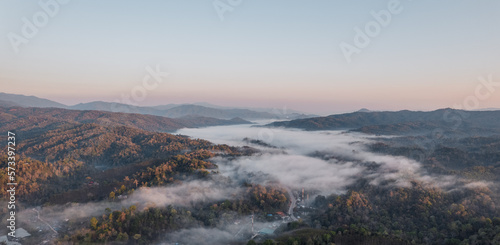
{"points": [[31, 118], [168, 118], [403, 122], [170, 110]]}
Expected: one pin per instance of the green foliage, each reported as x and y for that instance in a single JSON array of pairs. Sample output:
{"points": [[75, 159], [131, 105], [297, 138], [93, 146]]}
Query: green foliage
{"points": [[251, 242], [413, 214], [268, 198], [112, 195], [37, 180], [125, 224], [93, 223]]}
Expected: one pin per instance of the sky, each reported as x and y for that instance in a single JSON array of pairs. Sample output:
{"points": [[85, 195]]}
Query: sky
{"points": [[417, 55]]}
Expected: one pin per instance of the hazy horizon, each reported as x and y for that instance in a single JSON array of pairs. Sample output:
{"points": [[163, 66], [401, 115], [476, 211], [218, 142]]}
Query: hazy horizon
{"points": [[224, 106]]}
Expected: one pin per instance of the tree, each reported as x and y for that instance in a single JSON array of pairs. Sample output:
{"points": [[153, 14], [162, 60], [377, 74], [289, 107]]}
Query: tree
{"points": [[93, 223], [122, 236], [112, 195], [122, 189], [132, 209], [268, 242]]}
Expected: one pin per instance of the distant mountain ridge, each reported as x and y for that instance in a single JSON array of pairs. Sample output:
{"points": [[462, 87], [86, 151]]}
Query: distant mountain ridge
{"points": [[23, 118], [184, 110], [364, 110], [4, 103], [171, 110], [401, 122], [178, 111], [29, 101]]}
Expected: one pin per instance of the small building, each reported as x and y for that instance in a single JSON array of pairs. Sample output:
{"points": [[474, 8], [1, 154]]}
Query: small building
{"points": [[266, 231], [22, 233], [6, 241]]}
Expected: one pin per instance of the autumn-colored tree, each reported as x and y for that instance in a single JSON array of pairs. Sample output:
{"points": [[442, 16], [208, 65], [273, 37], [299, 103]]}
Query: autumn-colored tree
{"points": [[93, 223], [112, 195]]}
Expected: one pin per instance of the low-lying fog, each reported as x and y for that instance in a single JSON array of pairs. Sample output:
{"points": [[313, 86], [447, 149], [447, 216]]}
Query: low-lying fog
{"points": [[326, 161]]}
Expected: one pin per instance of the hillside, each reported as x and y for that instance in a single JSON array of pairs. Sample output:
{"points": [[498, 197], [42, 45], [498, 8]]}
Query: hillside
{"points": [[23, 118], [62, 160], [170, 110], [97, 137], [184, 110], [4, 103], [62, 147], [178, 111], [116, 107], [29, 101], [402, 122]]}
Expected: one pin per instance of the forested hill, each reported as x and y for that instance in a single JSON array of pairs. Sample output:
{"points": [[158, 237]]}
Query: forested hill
{"points": [[62, 157], [100, 138], [65, 147], [28, 119], [401, 122], [169, 110]]}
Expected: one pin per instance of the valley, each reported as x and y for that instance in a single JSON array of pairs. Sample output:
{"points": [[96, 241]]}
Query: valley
{"points": [[94, 182]]}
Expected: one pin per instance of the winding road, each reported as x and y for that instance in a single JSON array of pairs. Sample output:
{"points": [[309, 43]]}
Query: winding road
{"points": [[292, 205], [38, 214]]}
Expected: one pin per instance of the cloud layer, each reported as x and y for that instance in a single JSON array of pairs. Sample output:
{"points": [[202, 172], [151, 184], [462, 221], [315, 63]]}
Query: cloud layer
{"points": [[327, 161]]}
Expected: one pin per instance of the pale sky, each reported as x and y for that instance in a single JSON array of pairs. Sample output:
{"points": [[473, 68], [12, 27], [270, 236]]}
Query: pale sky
{"points": [[281, 53]]}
